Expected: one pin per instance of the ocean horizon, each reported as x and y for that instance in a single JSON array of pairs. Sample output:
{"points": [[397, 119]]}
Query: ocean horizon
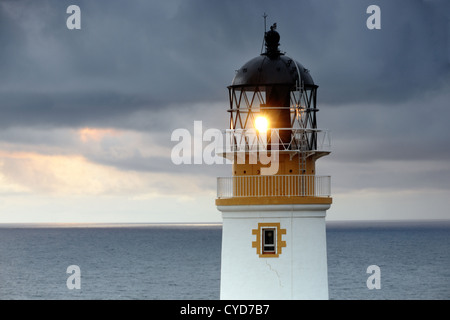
{"points": [[178, 261], [332, 223]]}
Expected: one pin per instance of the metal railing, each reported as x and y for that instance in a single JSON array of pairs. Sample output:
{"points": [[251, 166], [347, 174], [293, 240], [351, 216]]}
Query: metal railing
{"points": [[274, 186], [299, 140]]}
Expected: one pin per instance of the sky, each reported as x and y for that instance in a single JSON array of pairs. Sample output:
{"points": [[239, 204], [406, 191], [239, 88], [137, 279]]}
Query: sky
{"points": [[86, 115]]}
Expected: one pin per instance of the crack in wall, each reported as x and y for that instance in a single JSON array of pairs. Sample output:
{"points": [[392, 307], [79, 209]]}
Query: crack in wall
{"points": [[276, 272]]}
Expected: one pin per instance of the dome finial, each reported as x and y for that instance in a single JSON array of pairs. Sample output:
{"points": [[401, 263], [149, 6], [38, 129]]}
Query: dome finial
{"points": [[272, 39]]}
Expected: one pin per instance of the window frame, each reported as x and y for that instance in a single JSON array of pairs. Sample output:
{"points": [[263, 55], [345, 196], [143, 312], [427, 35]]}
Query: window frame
{"points": [[269, 248], [279, 243]]}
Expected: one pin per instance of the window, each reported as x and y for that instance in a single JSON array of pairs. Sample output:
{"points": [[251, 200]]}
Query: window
{"points": [[268, 238], [269, 241]]}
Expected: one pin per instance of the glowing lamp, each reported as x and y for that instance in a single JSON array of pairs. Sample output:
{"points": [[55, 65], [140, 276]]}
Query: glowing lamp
{"points": [[261, 124]]}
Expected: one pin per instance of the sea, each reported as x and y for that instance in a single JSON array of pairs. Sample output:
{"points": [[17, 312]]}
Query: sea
{"points": [[182, 261]]}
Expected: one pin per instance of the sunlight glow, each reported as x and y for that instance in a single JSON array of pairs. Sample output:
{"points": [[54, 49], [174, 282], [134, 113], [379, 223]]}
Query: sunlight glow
{"points": [[261, 124], [94, 134]]}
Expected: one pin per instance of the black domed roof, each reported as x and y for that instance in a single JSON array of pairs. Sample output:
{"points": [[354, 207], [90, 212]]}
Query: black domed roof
{"points": [[263, 70]]}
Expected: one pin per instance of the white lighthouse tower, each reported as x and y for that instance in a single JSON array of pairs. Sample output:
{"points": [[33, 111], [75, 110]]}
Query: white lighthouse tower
{"points": [[274, 205]]}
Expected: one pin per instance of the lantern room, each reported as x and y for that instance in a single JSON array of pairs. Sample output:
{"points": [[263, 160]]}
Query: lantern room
{"points": [[273, 109]]}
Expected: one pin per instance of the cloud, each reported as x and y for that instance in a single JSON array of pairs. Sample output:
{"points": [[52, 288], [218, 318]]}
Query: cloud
{"points": [[147, 55], [416, 129], [75, 175], [92, 111], [407, 57], [97, 161]]}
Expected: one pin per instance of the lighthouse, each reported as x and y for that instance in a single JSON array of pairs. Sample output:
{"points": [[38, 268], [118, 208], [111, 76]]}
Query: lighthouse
{"points": [[273, 205]]}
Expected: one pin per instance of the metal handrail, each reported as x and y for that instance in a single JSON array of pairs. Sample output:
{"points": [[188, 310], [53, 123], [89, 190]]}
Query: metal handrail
{"points": [[274, 186], [250, 140]]}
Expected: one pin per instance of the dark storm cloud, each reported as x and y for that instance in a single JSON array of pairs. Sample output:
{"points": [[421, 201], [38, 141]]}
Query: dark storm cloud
{"points": [[143, 55], [409, 55], [150, 65], [186, 51], [72, 109]]}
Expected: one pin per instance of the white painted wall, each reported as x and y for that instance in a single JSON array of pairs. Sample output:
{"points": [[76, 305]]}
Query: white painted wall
{"points": [[300, 271]]}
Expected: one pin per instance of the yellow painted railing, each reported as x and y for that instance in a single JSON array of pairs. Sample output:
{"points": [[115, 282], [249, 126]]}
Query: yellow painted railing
{"points": [[274, 186]]}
